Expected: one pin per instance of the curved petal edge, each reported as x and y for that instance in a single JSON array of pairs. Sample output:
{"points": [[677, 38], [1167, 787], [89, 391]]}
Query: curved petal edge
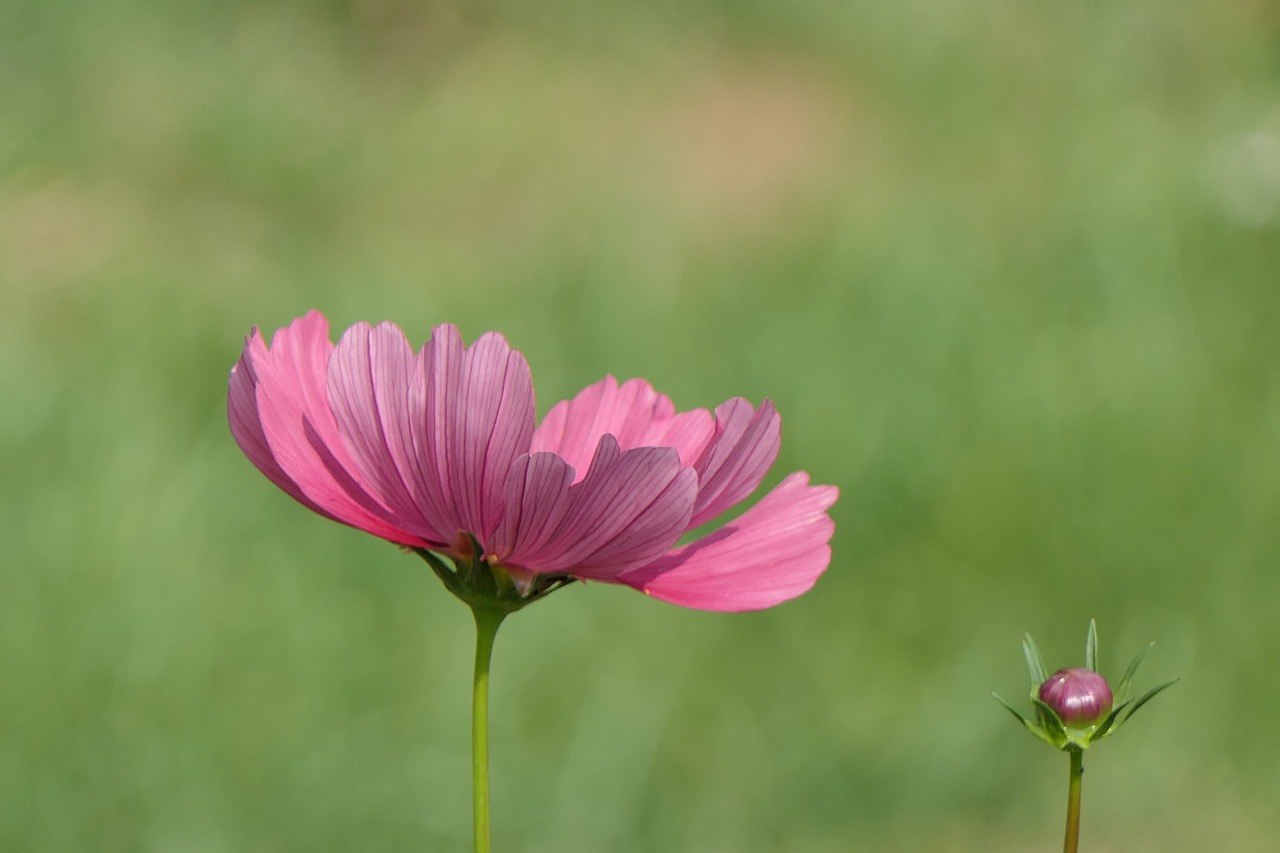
{"points": [[772, 553]]}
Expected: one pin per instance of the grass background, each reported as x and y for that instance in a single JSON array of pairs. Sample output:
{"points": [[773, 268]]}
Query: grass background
{"points": [[1008, 269]]}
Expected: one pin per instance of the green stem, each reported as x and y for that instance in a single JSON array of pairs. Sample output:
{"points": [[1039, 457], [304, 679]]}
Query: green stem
{"points": [[1072, 840], [487, 622]]}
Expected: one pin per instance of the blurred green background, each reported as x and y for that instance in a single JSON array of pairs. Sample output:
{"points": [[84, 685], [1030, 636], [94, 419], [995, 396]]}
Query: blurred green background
{"points": [[1008, 269]]}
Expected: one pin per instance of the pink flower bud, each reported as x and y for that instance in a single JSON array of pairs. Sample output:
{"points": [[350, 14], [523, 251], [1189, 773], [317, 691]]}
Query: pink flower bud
{"points": [[1081, 697]]}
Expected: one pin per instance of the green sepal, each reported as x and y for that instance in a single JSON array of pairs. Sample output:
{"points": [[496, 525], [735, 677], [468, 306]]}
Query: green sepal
{"points": [[447, 575], [479, 578], [1055, 732], [1148, 696], [1110, 723], [1121, 713], [1030, 726], [1122, 688], [481, 584], [1091, 647], [1035, 664]]}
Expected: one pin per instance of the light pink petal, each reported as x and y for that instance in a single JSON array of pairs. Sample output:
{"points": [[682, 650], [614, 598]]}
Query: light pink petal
{"points": [[633, 413], [736, 460], [631, 507], [688, 432], [771, 553], [472, 416], [296, 438], [242, 415], [369, 378]]}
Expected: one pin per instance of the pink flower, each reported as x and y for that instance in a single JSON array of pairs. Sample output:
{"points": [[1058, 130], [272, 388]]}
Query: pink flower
{"points": [[434, 449]]}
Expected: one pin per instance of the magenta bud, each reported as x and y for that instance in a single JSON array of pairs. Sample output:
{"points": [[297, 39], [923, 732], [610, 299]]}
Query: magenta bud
{"points": [[1080, 697]]}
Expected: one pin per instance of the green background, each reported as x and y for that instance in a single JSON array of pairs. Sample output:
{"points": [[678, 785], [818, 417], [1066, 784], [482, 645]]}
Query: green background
{"points": [[1008, 269]]}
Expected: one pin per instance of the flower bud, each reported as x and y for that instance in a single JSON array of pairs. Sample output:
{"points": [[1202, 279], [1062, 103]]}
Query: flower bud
{"points": [[1081, 697]]}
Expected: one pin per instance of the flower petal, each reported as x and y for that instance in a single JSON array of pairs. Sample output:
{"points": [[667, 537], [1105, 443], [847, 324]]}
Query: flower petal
{"points": [[369, 379], [436, 433], [279, 414], [733, 464], [473, 415], [246, 428], [771, 553], [633, 413], [631, 507], [537, 500]]}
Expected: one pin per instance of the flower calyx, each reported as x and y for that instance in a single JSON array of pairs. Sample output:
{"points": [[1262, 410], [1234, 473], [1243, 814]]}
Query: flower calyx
{"points": [[484, 584]]}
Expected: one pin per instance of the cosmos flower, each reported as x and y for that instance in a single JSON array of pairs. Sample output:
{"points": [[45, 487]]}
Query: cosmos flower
{"points": [[438, 451]]}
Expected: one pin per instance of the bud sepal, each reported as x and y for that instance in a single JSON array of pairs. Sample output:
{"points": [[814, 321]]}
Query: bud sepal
{"points": [[1075, 707]]}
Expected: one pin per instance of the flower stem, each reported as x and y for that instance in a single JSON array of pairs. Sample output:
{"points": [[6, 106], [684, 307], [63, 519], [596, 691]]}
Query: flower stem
{"points": [[487, 622], [1072, 840]]}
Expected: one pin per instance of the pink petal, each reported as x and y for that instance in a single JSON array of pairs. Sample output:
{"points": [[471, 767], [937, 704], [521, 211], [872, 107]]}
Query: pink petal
{"points": [[289, 433], [735, 461], [631, 507], [473, 415], [369, 378], [771, 553], [537, 501], [436, 434], [242, 416], [633, 413]]}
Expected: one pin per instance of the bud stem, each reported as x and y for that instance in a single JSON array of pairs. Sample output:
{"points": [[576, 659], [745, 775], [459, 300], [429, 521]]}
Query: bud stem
{"points": [[1072, 840]]}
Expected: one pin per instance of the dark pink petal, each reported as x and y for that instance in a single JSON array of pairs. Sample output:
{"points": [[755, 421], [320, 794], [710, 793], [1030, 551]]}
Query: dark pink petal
{"points": [[537, 501], [633, 413], [1081, 697], [771, 553], [472, 416], [631, 507], [731, 467], [436, 433], [369, 377], [296, 439]]}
